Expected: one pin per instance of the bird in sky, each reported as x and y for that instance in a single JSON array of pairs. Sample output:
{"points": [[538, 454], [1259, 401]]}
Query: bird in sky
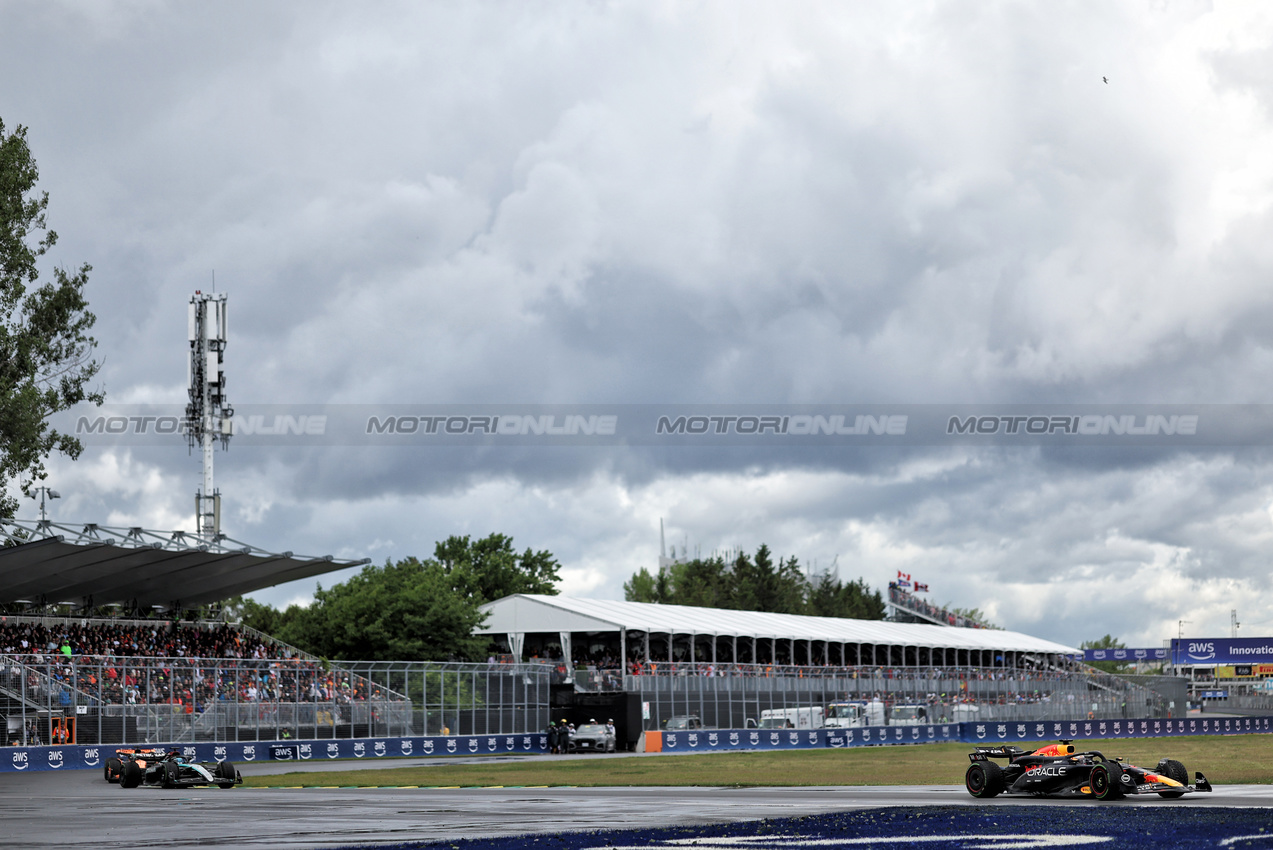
{"points": [[1105, 80]]}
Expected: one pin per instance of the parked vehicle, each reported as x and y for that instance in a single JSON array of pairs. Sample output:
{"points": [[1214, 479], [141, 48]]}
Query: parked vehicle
{"points": [[909, 715], [592, 738], [845, 715], [683, 723], [806, 717]]}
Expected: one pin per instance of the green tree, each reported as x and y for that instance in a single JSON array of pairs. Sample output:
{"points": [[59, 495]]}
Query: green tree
{"points": [[494, 570], [701, 582], [410, 610], [829, 597], [1106, 642], [45, 350], [791, 587], [754, 583], [642, 587]]}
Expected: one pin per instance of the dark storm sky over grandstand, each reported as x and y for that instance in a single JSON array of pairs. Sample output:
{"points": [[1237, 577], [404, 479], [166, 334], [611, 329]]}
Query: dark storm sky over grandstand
{"points": [[636, 203]]}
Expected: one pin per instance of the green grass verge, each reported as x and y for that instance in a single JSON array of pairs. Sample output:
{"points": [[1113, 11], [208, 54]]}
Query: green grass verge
{"points": [[1226, 760]]}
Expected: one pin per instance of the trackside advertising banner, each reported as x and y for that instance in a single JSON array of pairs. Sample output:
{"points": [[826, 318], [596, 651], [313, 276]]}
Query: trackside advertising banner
{"points": [[72, 757], [1206, 651], [976, 733], [1146, 654]]}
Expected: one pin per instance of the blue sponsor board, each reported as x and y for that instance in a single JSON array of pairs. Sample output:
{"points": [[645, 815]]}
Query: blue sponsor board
{"points": [[71, 757], [78, 757], [1152, 653], [975, 733], [874, 736], [744, 739], [1208, 651]]}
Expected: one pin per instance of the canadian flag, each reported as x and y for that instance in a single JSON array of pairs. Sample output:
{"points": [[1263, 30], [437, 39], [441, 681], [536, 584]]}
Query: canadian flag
{"points": [[903, 579], [921, 588]]}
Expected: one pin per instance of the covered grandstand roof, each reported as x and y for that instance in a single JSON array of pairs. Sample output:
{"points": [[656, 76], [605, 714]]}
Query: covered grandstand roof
{"points": [[530, 613], [92, 565]]}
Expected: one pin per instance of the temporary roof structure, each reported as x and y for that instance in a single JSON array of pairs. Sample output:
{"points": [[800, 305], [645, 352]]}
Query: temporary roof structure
{"points": [[90, 566], [534, 613]]}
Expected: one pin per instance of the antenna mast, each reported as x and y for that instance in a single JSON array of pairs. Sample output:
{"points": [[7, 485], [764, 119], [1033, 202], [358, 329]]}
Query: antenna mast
{"points": [[208, 414]]}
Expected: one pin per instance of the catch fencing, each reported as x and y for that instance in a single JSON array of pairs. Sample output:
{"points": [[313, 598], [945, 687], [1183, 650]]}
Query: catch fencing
{"points": [[732, 696], [53, 699]]}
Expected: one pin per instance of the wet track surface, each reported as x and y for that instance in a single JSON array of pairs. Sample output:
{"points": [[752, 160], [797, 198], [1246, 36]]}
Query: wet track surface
{"points": [[79, 809]]}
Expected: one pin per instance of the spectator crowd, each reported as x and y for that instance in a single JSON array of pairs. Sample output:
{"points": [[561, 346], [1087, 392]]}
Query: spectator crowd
{"points": [[187, 666]]}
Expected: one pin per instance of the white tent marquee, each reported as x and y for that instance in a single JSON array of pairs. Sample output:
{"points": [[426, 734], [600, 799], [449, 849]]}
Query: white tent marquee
{"points": [[660, 633]]}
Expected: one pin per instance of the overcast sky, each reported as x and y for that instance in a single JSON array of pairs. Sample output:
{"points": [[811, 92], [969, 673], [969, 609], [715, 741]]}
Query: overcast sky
{"points": [[636, 203]]}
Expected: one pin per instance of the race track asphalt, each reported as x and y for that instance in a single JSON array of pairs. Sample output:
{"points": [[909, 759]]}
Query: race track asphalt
{"points": [[79, 809]]}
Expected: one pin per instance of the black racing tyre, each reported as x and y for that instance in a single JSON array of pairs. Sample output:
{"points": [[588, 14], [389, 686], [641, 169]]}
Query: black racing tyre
{"points": [[172, 774], [113, 768], [1106, 781], [131, 775], [1174, 770], [226, 773], [984, 779]]}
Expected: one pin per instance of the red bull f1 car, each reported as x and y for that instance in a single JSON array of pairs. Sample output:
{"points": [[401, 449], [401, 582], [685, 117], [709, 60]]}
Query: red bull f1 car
{"points": [[168, 769], [1058, 770]]}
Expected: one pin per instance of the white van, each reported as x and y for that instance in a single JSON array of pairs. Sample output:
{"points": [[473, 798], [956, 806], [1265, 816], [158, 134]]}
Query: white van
{"points": [[909, 715]]}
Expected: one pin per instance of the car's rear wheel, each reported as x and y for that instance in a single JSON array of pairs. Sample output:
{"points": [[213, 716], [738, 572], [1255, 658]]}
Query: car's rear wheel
{"points": [[1176, 771], [113, 768], [172, 774], [1106, 781], [131, 776], [984, 779]]}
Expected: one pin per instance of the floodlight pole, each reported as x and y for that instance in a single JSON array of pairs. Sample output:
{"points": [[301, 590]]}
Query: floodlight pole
{"points": [[209, 416], [52, 494]]}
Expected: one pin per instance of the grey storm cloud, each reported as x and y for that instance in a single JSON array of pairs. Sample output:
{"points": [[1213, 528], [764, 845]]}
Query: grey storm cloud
{"points": [[636, 203]]}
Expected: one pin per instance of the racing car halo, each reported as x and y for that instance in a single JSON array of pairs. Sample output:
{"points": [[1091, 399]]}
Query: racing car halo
{"points": [[168, 769], [1058, 769]]}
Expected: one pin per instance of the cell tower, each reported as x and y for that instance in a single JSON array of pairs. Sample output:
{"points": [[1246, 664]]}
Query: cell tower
{"points": [[208, 415]]}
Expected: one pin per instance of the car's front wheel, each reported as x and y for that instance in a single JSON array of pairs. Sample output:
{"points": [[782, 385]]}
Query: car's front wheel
{"points": [[1174, 770], [984, 779], [225, 774], [1105, 781]]}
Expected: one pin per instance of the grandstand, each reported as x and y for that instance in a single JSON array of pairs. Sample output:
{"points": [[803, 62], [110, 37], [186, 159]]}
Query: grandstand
{"points": [[134, 678], [728, 666]]}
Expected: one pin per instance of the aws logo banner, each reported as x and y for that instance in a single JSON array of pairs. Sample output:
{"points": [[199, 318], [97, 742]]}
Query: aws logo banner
{"points": [[1215, 651]]}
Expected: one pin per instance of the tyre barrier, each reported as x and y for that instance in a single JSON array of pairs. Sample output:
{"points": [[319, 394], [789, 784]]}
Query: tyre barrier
{"points": [[79, 757]]}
